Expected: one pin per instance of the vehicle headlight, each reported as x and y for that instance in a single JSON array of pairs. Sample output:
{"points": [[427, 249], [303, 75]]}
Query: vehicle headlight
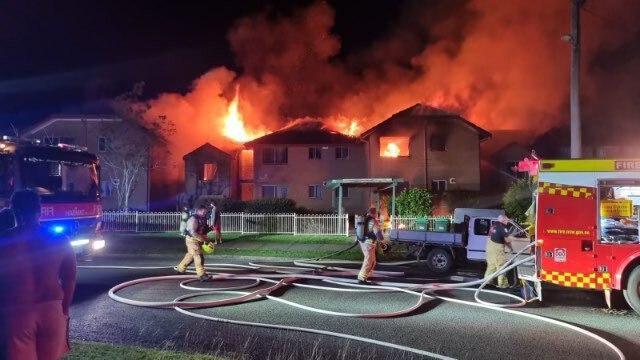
{"points": [[79, 242], [98, 244]]}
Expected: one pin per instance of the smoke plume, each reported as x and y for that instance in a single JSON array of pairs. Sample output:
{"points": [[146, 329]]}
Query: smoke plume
{"points": [[501, 64]]}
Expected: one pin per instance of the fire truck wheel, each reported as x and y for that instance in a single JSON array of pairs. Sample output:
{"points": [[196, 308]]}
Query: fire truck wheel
{"points": [[439, 260], [632, 292]]}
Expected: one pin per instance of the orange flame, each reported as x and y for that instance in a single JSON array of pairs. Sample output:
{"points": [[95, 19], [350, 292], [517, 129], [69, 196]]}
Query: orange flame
{"points": [[234, 127], [392, 150], [345, 125], [394, 146]]}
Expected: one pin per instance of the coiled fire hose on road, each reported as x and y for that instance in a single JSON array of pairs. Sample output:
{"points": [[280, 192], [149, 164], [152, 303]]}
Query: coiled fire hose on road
{"points": [[316, 269]]}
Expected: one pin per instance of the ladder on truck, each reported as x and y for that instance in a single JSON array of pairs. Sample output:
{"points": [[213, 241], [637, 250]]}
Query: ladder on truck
{"points": [[531, 284]]}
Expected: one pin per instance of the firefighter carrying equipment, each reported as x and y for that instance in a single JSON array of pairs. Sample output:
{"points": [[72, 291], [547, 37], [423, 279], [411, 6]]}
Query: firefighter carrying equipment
{"points": [[184, 217], [207, 248]]}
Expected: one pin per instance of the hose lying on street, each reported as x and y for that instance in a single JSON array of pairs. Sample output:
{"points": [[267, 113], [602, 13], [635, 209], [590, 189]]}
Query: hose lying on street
{"points": [[338, 279]]}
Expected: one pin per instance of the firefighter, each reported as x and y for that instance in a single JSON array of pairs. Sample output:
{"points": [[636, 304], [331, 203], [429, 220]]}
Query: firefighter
{"points": [[496, 241], [369, 235], [196, 235]]}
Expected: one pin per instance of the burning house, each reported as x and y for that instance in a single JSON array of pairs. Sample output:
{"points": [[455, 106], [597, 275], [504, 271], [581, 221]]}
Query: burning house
{"points": [[208, 172], [428, 147], [295, 161]]}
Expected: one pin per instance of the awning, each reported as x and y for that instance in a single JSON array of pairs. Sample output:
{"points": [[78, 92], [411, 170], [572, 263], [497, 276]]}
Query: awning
{"points": [[378, 183]]}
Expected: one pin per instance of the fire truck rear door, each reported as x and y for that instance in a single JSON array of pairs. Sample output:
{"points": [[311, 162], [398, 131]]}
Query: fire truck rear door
{"points": [[566, 224]]}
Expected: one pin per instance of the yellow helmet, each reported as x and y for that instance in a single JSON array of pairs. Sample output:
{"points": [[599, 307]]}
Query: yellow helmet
{"points": [[207, 248]]}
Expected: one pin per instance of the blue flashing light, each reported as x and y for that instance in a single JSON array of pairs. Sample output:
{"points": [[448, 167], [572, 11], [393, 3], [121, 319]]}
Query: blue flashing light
{"points": [[57, 229]]}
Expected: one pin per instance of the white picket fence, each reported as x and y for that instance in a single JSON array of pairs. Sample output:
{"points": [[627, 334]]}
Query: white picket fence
{"points": [[429, 223], [330, 224]]}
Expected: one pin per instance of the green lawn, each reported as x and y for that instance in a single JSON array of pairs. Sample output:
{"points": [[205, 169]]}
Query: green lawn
{"points": [[271, 245], [82, 350], [286, 238]]}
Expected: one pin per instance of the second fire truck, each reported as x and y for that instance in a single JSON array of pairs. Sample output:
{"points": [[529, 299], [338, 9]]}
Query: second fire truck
{"points": [[586, 226]]}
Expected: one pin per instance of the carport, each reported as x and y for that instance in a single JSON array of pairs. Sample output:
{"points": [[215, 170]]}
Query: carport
{"points": [[380, 184]]}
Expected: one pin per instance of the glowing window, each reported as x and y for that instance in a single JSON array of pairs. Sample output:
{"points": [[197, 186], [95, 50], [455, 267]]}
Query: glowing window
{"points": [[209, 171], [394, 146]]}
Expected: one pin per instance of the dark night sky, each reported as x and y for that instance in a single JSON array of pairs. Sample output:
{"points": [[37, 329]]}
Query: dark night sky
{"points": [[58, 55], [503, 64]]}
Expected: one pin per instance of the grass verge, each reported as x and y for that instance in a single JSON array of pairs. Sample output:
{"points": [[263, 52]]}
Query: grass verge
{"points": [[83, 350]]}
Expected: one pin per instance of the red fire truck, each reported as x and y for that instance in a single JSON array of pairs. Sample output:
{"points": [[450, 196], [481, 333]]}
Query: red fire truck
{"points": [[66, 178], [586, 225]]}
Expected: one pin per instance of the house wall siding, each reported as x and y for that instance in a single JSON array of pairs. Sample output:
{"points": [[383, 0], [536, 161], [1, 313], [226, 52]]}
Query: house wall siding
{"points": [[300, 172], [87, 134], [460, 160]]}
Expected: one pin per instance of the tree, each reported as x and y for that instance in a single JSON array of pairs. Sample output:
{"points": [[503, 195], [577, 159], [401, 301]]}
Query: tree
{"points": [[124, 156], [518, 199], [414, 202], [131, 145]]}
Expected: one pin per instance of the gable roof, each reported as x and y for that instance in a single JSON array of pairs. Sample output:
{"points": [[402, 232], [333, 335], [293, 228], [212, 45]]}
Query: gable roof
{"points": [[426, 112], [207, 149], [308, 132]]}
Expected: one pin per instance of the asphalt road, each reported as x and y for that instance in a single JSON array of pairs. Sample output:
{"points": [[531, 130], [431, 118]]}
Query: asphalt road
{"points": [[439, 327]]}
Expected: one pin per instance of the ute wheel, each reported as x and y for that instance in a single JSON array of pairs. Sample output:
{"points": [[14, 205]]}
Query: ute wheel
{"points": [[439, 260], [632, 292]]}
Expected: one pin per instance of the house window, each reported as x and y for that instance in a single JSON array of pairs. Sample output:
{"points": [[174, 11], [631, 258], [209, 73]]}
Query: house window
{"points": [[315, 153], [342, 152], [274, 156], [345, 192], [394, 146], [209, 171], [315, 191], [104, 144], [274, 191], [437, 142], [438, 186]]}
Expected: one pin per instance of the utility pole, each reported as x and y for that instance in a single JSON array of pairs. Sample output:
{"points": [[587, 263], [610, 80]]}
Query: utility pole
{"points": [[574, 97]]}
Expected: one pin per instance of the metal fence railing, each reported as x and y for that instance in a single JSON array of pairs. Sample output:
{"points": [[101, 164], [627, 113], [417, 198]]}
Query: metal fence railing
{"points": [[330, 224], [431, 223]]}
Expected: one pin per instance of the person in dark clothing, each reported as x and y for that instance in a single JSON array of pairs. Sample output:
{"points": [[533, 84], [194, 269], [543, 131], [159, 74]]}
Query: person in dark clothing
{"points": [[37, 281]]}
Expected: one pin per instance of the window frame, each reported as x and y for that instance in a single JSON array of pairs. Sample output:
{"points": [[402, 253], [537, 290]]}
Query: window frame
{"points": [[340, 150], [439, 140], [103, 144], [279, 155], [279, 191], [315, 153], [436, 182], [317, 191]]}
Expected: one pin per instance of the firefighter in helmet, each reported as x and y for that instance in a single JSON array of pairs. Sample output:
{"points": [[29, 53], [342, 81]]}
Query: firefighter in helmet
{"points": [[498, 238], [368, 235], [196, 236]]}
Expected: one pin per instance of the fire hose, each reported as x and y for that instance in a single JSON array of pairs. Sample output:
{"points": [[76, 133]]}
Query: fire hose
{"points": [[317, 269]]}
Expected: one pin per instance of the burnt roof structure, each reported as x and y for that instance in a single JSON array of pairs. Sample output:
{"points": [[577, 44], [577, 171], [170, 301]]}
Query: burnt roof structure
{"points": [[304, 133], [421, 112]]}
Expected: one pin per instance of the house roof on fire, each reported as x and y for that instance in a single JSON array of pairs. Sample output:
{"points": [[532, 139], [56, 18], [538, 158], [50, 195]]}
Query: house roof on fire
{"points": [[426, 112], [208, 150], [305, 132]]}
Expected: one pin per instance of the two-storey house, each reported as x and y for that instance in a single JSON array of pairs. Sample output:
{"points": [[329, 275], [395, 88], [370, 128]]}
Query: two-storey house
{"points": [[294, 162]]}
